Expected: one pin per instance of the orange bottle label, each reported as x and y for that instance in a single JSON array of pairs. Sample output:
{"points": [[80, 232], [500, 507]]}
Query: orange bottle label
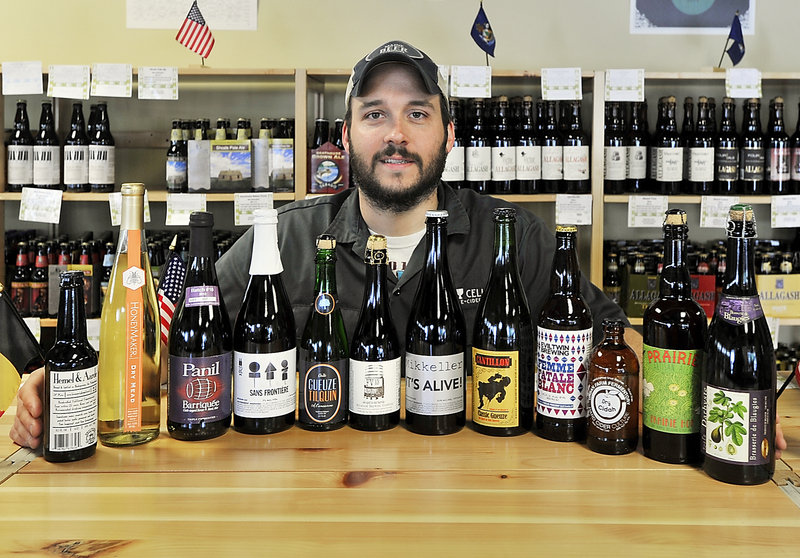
{"points": [[133, 279]]}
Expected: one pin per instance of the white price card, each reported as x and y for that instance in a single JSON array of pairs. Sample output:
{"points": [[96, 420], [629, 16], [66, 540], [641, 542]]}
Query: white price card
{"points": [[179, 206], [245, 206], [774, 328], [562, 84], [785, 212], [40, 205], [157, 82], [93, 332], [471, 82], [22, 78], [714, 211], [574, 209], [743, 83], [646, 211], [115, 208], [35, 327], [112, 80], [625, 85], [68, 81]]}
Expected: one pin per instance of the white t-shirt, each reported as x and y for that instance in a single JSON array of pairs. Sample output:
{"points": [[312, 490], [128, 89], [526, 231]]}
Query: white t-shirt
{"points": [[399, 250]]}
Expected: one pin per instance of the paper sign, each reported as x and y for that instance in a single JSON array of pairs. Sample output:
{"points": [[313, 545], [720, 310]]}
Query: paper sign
{"points": [[158, 83], [93, 332], [625, 85], [38, 204], [179, 206], [785, 211], [245, 205], [22, 78], [471, 82], [646, 211], [115, 208], [112, 80], [240, 15], [562, 84], [68, 81], [743, 83], [774, 328], [574, 209], [714, 211], [35, 326]]}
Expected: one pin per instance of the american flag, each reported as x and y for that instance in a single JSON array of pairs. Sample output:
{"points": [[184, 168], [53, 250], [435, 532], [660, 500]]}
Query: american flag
{"points": [[169, 289], [194, 34]]}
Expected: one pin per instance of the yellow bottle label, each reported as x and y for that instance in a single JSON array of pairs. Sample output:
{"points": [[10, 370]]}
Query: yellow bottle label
{"points": [[133, 279], [495, 392]]}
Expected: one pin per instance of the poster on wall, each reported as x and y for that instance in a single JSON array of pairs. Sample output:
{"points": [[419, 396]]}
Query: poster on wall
{"points": [[685, 17]]}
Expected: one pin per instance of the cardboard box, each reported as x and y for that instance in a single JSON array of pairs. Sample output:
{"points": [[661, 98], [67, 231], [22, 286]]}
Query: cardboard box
{"points": [[780, 295], [328, 170], [640, 291], [230, 165]]}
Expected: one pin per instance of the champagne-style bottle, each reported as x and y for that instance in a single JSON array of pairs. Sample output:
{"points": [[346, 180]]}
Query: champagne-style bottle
{"points": [[435, 342], [738, 392], [503, 154], [552, 151], [752, 155], [177, 177], [375, 352], [668, 153], [129, 366], [502, 343], [323, 353], [726, 151], [102, 153], [576, 153], [637, 142], [528, 151], [564, 342], [19, 160], [200, 345], [478, 152], [674, 331], [778, 156], [76, 156], [453, 173], [46, 152], [69, 400], [614, 150], [264, 340]]}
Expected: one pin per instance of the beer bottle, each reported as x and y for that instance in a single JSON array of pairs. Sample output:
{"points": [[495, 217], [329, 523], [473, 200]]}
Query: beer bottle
{"points": [[101, 153], [321, 133], [613, 407], [674, 331], [637, 142], [19, 162], [454, 164], [794, 147], [668, 152], [46, 152], [221, 132], [435, 342], [478, 152], [687, 135], [502, 342], [39, 283], [552, 151], [504, 164], [612, 285], [726, 151], [615, 151], [177, 171], [336, 139], [564, 341], [701, 153], [76, 153], [20, 282], [752, 156], [738, 391], [778, 157], [528, 152]]}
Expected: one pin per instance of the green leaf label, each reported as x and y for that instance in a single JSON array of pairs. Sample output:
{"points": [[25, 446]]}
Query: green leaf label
{"points": [[671, 389], [735, 427]]}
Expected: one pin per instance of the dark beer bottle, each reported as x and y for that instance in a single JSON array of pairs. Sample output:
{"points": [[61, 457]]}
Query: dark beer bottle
{"points": [[668, 152], [264, 340], [323, 353], [794, 145], [613, 407], [19, 161], [76, 153], [102, 153], [321, 133], [778, 157], [637, 143], [701, 153], [504, 164], [614, 151], [46, 152], [177, 170], [687, 135], [478, 153], [435, 342], [336, 138], [502, 342], [70, 380], [674, 331], [39, 284], [752, 155], [726, 151], [528, 152], [564, 342], [552, 151], [576, 153], [612, 282], [738, 393], [375, 353], [20, 282], [453, 173]]}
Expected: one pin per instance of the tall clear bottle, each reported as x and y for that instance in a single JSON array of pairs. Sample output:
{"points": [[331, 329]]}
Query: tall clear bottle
{"points": [[375, 352], [76, 154], [19, 158], [129, 365], [738, 391], [264, 340], [503, 351], [102, 168], [435, 342], [47, 152]]}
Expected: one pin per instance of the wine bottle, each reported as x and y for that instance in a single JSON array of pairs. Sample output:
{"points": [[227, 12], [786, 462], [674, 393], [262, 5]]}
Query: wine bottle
{"points": [[76, 156], [564, 342], [69, 399], [614, 151], [576, 153], [46, 152], [129, 380], [478, 153], [686, 138], [528, 152], [200, 345], [323, 352], [502, 343], [738, 391], [19, 161], [102, 153], [264, 340], [726, 151], [503, 154], [375, 352], [177, 177], [453, 173]]}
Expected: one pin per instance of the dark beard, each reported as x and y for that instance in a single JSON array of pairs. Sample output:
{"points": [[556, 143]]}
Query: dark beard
{"points": [[395, 201]]}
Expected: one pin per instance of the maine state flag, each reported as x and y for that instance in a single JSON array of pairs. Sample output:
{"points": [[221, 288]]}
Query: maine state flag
{"points": [[482, 32], [736, 50]]}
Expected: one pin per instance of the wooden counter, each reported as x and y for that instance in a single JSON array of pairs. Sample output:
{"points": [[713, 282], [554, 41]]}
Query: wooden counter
{"points": [[349, 493]]}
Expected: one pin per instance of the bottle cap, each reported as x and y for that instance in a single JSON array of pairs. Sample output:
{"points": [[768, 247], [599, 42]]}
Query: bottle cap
{"points": [[778, 100], [265, 216], [326, 242], [741, 212], [71, 278], [201, 219], [566, 229], [675, 217], [613, 323], [376, 242], [504, 213], [436, 214], [132, 189]]}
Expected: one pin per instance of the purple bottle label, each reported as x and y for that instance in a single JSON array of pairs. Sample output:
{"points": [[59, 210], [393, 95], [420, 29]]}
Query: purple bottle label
{"points": [[199, 388], [738, 310], [202, 295]]}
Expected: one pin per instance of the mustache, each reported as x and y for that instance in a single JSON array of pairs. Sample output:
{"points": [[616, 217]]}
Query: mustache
{"points": [[392, 149]]}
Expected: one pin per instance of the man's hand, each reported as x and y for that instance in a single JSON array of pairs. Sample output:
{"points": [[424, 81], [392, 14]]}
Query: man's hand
{"points": [[780, 441], [27, 428]]}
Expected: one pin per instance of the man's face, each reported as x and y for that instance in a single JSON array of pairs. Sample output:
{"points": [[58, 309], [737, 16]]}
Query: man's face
{"points": [[396, 139]]}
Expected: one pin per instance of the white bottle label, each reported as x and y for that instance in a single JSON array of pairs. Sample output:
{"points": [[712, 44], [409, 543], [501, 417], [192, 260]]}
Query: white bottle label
{"points": [[73, 409], [636, 164], [615, 159], [76, 164], [20, 164], [101, 164], [46, 165], [454, 165], [529, 162], [576, 162], [504, 164], [374, 387], [435, 384], [778, 163], [562, 361], [552, 166], [264, 385], [669, 164], [701, 164], [479, 163]]}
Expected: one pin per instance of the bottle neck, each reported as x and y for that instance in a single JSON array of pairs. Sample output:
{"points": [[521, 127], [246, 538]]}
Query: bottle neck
{"points": [[614, 335], [266, 257], [200, 268], [375, 295], [728, 122], [505, 246], [565, 277], [777, 120], [132, 212], [675, 281], [740, 274], [325, 273], [71, 325], [435, 245]]}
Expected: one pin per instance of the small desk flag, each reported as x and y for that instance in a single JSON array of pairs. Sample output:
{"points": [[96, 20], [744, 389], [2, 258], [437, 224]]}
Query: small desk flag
{"points": [[194, 34], [736, 50], [482, 32]]}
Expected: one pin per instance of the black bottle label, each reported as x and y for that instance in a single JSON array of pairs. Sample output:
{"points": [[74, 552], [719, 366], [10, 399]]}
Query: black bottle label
{"points": [[495, 380], [321, 397], [73, 409], [727, 163], [200, 388], [736, 425], [753, 161]]}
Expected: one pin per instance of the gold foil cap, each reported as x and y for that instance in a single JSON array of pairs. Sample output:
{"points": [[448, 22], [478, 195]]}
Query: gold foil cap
{"points": [[741, 212], [675, 218], [376, 250], [132, 189], [326, 242], [376, 242], [566, 228]]}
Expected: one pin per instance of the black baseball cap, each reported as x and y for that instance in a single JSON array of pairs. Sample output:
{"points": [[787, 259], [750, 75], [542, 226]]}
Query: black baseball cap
{"points": [[397, 51]]}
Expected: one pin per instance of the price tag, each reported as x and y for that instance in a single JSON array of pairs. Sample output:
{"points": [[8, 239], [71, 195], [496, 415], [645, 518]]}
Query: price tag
{"points": [[785, 211], [743, 83], [157, 82], [115, 208], [245, 205], [646, 211], [574, 209], [562, 84], [93, 332], [179, 206], [22, 78], [625, 85], [38, 204], [112, 80], [69, 81], [714, 211], [35, 327], [774, 327], [471, 82]]}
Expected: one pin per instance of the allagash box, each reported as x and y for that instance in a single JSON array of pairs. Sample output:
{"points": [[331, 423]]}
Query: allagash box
{"points": [[779, 294]]}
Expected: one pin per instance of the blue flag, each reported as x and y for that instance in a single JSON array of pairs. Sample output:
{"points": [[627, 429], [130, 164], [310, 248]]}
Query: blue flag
{"points": [[482, 32], [736, 50]]}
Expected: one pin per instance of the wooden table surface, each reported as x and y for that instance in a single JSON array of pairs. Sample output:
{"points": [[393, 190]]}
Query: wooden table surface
{"points": [[350, 493]]}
